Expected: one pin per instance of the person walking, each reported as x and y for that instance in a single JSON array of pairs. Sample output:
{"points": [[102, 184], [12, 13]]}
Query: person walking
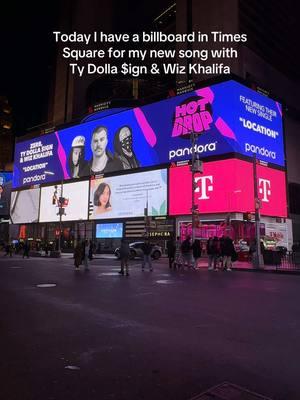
{"points": [[209, 253], [124, 257], [78, 255], [186, 250], [91, 249], [146, 248], [215, 251], [196, 247], [178, 257], [171, 248], [86, 255], [26, 249], [228, 250]]}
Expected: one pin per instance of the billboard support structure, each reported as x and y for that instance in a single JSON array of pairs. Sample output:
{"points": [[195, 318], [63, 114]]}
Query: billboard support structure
{"points": [[196, 166]]}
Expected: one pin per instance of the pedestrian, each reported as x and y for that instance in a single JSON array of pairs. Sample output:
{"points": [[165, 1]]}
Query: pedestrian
{"points": [[146, 248], [91, 249], [26, 249], [215, 252], [86, 255], [186, 251], [124, 257], [171, 248], [178, 257], [78, 255], [209, 253], [228, 250], [196, 247], [222, 254]]}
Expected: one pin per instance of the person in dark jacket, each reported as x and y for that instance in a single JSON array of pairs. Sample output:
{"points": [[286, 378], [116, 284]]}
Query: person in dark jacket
{"points": [[228, 250], [26, 249], [196, 247], [171, 248], [215, 252], [91, 250], [146, 248], [78, 255], [124, 257], [186, 251]]}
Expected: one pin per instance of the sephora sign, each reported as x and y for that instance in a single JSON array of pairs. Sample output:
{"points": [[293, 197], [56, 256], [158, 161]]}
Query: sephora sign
{"points": [[228, 186]]}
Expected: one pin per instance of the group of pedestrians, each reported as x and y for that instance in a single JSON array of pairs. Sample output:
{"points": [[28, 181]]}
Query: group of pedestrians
{"points": [[10, 249], [125, 255], [83, 253], [221, 253]]}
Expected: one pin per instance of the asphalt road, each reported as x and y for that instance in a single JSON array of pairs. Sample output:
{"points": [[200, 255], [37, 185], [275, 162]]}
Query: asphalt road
{"points": [[160, 335]]}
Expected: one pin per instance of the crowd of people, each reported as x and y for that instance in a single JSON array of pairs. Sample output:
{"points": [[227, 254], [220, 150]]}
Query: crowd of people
{"points": [[220, 251]]}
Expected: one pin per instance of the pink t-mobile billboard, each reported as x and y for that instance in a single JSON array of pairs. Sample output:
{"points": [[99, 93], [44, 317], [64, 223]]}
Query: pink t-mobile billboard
{"points": [[228, 186]]}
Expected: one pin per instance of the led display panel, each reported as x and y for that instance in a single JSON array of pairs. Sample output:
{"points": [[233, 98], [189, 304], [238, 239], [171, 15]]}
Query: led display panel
{"points": [[227, 186], [71, 198], [5, 190], [129, 195], [109, 231], [24, 207], [228, 117]]}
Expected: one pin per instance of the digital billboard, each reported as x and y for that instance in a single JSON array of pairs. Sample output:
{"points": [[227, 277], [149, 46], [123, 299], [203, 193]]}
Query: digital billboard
{"points": [[72, 198], [128, 195], [108, 231], [227, 186], [228, 117], [5, 190], [24, 206]]}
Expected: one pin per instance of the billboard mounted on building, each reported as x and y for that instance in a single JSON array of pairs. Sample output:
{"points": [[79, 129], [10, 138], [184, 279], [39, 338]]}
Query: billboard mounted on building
{"points": [[227, 186], [228, 117]]}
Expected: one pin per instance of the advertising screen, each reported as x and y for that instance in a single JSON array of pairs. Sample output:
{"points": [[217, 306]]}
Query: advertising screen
{"points": [[24, 206], [72, 198], [107, 231], [128, 195], [228, 117], [5, 190], [227, 186]]}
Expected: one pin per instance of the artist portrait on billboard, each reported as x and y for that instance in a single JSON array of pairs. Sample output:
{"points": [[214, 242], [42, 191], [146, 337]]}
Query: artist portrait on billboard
{"points": [[102, 160], [123, 148], [76, 160], [102, 199]]}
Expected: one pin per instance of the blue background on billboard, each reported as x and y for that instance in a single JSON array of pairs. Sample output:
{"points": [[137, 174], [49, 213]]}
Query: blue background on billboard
{"points": [[113, 230], [226, 106]]}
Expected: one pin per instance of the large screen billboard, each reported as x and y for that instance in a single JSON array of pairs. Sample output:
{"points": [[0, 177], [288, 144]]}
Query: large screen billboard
{"points": [[72, 198], [24, 207], [227, 186], [129, 195], [228, 117], [5, 190], [109, 231]]}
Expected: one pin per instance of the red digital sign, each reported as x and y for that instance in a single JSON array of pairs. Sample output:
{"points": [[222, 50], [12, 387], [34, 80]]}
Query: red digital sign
{"points": [[228, 186]]}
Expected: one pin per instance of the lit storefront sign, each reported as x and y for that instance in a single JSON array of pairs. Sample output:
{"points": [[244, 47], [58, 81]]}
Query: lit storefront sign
{"points": [[227, 186]]}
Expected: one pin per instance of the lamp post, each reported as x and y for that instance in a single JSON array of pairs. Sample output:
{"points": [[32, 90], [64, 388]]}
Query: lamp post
{"points": [[197, 166], [257, 215]]}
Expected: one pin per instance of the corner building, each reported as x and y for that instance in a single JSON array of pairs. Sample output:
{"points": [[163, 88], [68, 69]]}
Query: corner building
{"points": [[98, 180]]}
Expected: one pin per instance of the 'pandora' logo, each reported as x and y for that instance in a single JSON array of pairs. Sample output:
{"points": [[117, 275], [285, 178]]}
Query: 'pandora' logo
{"points": [[260, 150], [264, 187], [204, 185], [201, 148]]}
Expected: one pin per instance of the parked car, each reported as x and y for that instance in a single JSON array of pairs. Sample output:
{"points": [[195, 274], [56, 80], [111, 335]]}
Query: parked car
{"points": [[136, 251]]}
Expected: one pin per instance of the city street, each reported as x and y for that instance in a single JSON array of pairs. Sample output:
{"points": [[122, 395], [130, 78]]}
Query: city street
{"points": [[160, 335]]}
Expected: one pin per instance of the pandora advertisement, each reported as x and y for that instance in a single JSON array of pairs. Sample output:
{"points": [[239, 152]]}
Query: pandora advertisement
{"points": [[68, 202], [227, 117], [129, 195], [228, 186]]}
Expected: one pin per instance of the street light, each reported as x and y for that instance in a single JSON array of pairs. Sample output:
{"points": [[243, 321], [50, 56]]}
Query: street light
{"points": [[257, 206], [197, 166]]}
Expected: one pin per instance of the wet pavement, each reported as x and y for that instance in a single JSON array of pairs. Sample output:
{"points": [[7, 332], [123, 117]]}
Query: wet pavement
{"points": [[160, 335]]}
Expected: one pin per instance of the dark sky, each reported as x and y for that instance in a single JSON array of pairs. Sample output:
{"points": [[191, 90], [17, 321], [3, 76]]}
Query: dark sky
{"points": [[28, 52], [26, 57]]}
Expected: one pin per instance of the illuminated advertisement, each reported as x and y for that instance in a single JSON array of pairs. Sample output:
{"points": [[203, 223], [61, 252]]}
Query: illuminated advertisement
{"points": [[24, 207], [228, 186], [128, 195], [69, 199], [104, 231], [5, 190], [228, 117]]}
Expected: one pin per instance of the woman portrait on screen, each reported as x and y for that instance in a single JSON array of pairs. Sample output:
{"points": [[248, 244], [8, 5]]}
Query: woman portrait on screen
{"points": [[76, 161], [102, 199]]}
